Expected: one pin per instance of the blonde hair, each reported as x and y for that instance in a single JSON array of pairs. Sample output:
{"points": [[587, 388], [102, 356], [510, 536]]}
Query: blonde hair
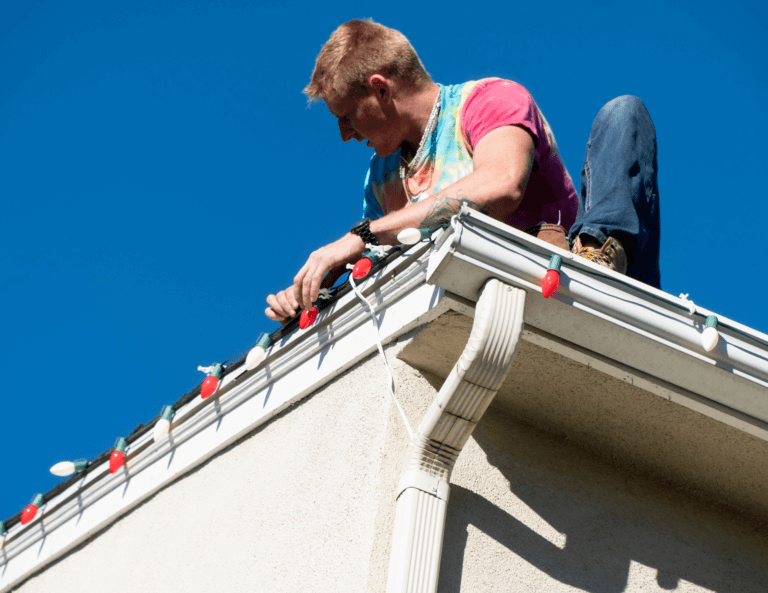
{"points": [[357, 50]]}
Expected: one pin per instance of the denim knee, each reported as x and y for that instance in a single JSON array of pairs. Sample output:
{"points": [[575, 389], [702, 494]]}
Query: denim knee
{"points": [[623, 108]]}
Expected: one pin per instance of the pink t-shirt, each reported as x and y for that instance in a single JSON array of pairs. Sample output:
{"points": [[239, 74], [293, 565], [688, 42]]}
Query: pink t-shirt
{"points": [[550, 194], [468, 111]]}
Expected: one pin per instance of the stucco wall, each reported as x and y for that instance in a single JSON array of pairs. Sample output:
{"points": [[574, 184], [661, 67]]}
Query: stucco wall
{"points": [[530, 511], [306, 504], [289, 508]]}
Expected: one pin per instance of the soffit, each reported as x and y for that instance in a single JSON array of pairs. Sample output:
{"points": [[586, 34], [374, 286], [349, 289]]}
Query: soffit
{"points": [[618, 413]]}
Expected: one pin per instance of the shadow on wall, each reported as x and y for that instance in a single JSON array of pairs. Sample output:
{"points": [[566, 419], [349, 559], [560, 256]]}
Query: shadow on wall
{"points": [[610, 520]]}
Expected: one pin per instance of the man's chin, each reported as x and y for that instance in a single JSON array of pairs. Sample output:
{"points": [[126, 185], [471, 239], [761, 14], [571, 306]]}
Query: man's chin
{"points": [[383, 152]]}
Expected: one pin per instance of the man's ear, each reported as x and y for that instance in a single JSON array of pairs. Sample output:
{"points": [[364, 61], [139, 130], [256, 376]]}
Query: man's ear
{"points": [[381, 87]]}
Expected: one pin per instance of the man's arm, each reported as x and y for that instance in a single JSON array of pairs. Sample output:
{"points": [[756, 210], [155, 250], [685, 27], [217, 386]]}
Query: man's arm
{"points": [[502, 160]]}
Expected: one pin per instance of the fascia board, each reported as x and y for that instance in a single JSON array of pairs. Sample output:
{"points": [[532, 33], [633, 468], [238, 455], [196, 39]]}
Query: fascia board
{"points": [[295, 367], [629, 374], [607, 313]]}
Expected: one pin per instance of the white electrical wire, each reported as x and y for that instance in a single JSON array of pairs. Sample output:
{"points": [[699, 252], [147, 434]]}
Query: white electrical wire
{"points": [[391, 380]]}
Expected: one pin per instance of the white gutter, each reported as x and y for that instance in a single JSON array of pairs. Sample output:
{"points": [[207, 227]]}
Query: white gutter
{"points": [[465, 395], [607, 313]]}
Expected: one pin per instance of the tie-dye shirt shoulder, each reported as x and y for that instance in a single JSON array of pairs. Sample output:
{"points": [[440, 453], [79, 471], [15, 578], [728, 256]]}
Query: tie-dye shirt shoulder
{"points": [[467, 112]]}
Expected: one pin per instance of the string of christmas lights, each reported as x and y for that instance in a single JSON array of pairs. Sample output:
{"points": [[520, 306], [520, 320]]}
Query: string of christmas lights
{"points": [[376, 255]]}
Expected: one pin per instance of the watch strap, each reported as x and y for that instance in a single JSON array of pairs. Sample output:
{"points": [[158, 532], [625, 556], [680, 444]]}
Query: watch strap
{"points": [[362, 229]]}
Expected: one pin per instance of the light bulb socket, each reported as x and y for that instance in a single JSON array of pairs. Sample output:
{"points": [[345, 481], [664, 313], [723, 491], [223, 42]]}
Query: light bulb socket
{"points": [[80, 464], [2, 527], [121, 444], [555, 262], [711, 321], [167, 413], [372, 255], [217, 371], [38, 500], [264, 341]]}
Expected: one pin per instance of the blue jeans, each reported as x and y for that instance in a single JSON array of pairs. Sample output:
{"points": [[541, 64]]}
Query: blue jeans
{"points": [[619, 186]]}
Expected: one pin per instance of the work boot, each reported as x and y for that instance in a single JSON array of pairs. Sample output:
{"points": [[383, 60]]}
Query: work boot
{"points": [[553, 234], [611, 254]]}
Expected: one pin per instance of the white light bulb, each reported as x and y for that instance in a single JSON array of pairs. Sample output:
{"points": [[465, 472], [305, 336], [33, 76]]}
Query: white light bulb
{"points": [[409, 236], [709, 338], [63, 468], [254, 358], [162, 426]]}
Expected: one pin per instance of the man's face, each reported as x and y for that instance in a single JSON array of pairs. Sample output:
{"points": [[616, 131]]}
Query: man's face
{"points": [[363, 119]]}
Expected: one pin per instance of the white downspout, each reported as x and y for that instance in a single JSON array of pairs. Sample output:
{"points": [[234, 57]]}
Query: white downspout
{"points": [[417, 541]]}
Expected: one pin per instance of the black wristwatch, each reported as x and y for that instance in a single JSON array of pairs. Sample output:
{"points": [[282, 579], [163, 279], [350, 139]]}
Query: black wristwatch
{"points": [[362, 229]]}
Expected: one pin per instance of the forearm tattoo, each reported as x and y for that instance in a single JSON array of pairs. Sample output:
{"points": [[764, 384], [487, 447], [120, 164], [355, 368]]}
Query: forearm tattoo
{"points": [[444, 207]]}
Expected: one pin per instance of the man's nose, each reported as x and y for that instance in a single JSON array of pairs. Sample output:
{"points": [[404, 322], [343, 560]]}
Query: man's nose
{"points": [[346, 130]]}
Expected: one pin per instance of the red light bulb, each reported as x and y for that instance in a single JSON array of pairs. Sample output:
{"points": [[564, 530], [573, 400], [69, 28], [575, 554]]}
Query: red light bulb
{"points": [[211, 382], [549, 283], [362, 268], [552, 278], [308, 317], [209, 386], [117, 459], [28, 513]]}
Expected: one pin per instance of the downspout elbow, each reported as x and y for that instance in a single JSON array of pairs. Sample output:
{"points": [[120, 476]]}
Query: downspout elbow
{"points": [[423, 491]]}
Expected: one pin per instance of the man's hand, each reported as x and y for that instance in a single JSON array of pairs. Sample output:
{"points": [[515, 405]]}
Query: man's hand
{"points": [[309, 280], [282, 306], [322, 269]]}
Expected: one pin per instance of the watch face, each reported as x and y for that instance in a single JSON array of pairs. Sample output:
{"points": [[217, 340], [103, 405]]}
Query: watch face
{"points": [[362, 229]]}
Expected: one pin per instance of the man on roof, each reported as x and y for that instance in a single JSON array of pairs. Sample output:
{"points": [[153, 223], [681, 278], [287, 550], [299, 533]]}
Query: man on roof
{"points": [[484, 143]]}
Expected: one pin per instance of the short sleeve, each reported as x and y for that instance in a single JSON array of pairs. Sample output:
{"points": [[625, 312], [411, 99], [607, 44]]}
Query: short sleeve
{"points": [[371, 206], [496, 104]]}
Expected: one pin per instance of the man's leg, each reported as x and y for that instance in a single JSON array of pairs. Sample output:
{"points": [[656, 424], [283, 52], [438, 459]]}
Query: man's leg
{"points": [[619, 187]]}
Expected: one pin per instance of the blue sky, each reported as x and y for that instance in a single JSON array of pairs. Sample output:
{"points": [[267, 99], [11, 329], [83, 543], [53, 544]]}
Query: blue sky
{"points": [[160, 174]]}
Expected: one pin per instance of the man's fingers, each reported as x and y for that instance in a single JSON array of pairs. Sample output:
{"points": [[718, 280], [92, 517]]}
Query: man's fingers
{"points": [[314, 286], [281, 305], [270, 312], [306, 291], [298, 280], [290, 294], [307, 282], [274, 305], [285, 303]]}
